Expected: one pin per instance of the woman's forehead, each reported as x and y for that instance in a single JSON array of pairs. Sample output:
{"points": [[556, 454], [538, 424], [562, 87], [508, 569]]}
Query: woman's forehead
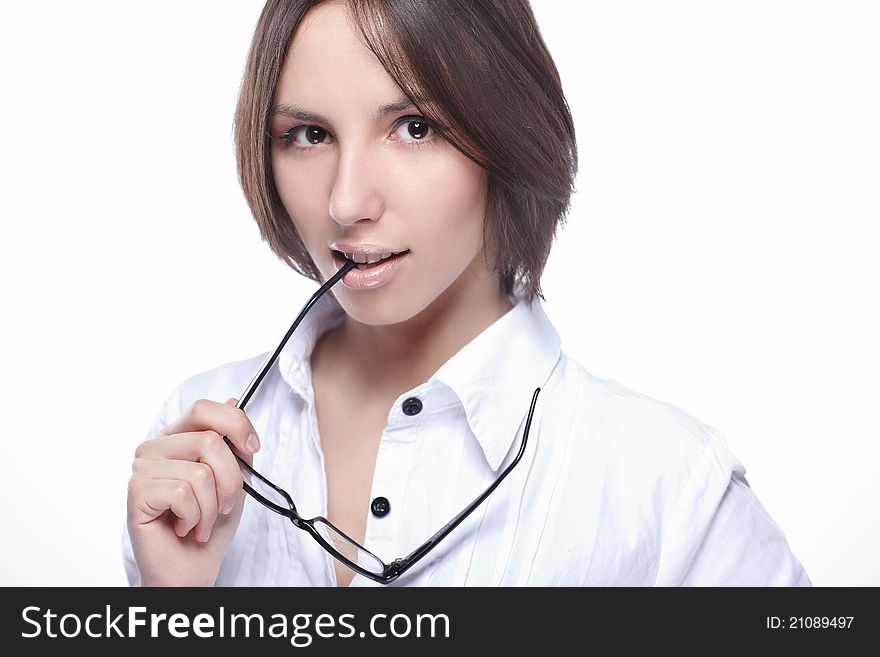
{"points": [[327, 61]]}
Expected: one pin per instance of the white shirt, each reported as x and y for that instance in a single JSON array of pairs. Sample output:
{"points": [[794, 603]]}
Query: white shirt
{"points": [[614, 488]]}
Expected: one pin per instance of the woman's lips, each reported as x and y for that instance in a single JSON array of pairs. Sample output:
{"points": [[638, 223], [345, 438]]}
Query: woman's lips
{"points": [[364, 248], [370, 276]]}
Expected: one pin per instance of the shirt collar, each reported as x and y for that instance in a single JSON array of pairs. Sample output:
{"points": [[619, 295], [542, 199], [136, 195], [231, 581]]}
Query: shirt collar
{"points": [[294, 361], [494, 375]]}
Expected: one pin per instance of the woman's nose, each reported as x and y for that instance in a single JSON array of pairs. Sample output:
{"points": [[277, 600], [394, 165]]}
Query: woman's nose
{"points": [[356, 193]]}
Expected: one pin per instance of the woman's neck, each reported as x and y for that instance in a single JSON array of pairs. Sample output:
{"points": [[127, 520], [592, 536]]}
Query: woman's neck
{"points": [[407, 354]]}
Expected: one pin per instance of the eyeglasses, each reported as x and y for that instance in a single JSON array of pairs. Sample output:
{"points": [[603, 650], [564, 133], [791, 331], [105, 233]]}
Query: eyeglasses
{"points": [[337, 543]]}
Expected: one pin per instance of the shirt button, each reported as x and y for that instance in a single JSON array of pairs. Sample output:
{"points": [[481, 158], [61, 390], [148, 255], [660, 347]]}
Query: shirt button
{"points": [[380, 507], [412, 406]]}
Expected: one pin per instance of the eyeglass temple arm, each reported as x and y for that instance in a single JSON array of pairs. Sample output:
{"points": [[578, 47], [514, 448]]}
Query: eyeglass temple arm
{"points": [[252, 386], [261, 374], [404, 563]]}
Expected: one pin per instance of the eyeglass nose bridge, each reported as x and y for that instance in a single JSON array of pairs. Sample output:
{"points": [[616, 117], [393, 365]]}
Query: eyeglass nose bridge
{"points": [[296, 519], [293, 511]]}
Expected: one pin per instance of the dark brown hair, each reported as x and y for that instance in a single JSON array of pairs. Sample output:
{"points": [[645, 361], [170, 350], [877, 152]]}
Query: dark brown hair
{"points": [[480, 73]]}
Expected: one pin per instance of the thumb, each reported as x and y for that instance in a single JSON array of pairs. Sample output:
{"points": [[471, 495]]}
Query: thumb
{"points": [[249, 459]]}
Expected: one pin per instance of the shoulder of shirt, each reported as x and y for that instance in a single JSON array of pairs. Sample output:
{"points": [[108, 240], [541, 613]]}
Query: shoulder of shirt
{"points": [[218, 383], [631, 425]]}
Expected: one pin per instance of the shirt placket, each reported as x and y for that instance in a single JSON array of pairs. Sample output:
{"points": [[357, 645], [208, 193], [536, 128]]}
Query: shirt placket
{"points": [[391, 475]]}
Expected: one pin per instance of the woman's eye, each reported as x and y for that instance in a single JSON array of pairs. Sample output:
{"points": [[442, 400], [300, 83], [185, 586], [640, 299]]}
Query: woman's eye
{"points": [[415, 130], [304, 136]]}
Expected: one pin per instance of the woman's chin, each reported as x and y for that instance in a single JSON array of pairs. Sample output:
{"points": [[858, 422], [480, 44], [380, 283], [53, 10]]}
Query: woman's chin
{"points": [[373, 311]]}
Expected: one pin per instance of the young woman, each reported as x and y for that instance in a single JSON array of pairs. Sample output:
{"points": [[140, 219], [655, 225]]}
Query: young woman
{"points": [[432, 137]]}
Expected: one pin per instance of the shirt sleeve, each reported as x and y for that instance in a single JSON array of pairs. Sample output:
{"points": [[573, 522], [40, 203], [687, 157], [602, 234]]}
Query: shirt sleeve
{"points": [[743, 546], [719, 533], [170, 409]]}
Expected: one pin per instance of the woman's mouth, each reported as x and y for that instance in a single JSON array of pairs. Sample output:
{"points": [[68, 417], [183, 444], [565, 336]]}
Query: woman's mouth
{"points": [[369, 275], [365, 262]]}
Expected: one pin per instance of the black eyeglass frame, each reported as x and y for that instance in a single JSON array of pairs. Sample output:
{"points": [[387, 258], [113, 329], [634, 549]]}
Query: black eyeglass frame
{"points": [[399, 566]]}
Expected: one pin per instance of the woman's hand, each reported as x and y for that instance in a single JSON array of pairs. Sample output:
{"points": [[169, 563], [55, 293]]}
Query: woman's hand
{"points": [[185, 494]]}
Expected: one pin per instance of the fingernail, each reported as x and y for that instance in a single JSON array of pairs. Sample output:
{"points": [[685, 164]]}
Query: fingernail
{"points": [[252, 443], [208, 534], [227, 508]]}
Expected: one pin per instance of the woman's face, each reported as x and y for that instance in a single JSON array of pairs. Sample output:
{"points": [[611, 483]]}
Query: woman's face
{"points": [[354, 177]]}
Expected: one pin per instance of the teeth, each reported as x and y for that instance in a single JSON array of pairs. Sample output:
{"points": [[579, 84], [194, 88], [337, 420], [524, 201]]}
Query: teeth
{"points": [[365, 259]]}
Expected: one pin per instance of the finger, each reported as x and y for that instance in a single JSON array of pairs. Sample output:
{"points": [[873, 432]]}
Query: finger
{"points": [[201, 447], [150, 498], [226, 419], [246, 454], [200, 477]]}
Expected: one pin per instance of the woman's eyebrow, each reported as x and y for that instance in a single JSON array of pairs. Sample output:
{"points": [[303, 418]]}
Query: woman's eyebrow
{"points": [[294, 112]]}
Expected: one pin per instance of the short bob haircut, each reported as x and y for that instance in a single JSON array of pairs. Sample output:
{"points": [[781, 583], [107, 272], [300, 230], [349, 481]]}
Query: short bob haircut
{"points": [[480, 73]]}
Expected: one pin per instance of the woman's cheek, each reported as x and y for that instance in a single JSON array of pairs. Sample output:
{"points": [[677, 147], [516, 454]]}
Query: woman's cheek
{"points": [[298, 191]]}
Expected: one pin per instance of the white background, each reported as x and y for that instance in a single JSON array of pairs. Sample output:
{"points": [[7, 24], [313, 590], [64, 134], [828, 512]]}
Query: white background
{"points": [[721, 252]]}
